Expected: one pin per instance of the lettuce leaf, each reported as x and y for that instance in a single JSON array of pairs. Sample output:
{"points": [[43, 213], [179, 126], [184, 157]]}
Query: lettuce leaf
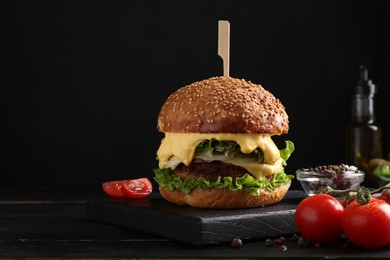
{"points": [[286, 152], [166, 179], [227, 148]]}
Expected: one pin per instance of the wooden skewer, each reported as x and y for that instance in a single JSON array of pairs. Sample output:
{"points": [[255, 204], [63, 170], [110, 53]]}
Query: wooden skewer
{"points": [[224, 45]]}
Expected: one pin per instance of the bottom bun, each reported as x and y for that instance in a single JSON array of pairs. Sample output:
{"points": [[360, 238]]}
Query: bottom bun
{"points": [[225, 198]]}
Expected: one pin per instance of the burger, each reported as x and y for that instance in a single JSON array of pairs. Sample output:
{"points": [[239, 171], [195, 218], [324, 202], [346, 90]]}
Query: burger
{"points": [[217, 150]]}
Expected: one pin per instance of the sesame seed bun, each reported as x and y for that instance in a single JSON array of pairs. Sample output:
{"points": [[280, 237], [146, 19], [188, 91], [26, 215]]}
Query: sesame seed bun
{"points": [[223, 105]]}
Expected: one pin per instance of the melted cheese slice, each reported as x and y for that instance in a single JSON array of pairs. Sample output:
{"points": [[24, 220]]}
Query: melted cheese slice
{"points": [[180, 147]]}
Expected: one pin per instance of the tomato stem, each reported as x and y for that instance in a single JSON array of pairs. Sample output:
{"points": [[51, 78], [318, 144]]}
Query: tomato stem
{"points": [[386, 187], [362, 194], [329, 189]]}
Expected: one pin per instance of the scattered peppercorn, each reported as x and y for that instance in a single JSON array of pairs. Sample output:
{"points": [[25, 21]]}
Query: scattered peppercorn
{"points": [[236, 242], [276, 241], [269, 242], [303, 241], [279, 241], [333, 169]]}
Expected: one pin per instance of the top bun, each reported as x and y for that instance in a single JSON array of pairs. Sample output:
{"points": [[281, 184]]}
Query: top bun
{"points": [[223, 105]]}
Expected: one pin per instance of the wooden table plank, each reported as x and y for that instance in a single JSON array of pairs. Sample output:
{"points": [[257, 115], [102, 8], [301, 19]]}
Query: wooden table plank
{"points": [[55, 229], [162, 249]]}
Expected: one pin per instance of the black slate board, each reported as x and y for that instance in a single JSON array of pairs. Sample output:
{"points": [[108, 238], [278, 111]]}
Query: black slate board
{"points": [[156, 216]]}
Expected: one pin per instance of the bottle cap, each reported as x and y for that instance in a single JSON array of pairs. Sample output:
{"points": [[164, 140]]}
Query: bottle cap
{"points": [[364, 86]]}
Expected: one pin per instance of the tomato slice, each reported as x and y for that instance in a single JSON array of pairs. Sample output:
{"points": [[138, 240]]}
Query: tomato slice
{"points": [[113, 188], [137, 188]]}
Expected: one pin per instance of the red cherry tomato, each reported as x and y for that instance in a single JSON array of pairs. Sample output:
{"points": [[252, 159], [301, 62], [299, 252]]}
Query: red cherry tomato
{"points": [[367, 225], [318, 218], [385, 196], [137, 188], [113, 189]]}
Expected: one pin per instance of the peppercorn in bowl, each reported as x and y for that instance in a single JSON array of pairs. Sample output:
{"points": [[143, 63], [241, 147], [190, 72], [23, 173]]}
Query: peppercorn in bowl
{"points": [[338, 177]]}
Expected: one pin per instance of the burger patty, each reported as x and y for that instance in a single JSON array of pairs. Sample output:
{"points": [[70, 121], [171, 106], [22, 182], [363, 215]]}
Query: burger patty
{"points": [[208, 170]]}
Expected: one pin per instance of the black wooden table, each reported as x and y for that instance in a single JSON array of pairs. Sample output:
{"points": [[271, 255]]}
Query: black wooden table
{"points": [[51, 225]]}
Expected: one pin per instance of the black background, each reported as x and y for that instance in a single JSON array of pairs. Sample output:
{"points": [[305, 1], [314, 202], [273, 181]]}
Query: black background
{"points": [[83, 81]]}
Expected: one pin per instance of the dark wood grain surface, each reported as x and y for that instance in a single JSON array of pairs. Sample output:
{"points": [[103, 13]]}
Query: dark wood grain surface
{"points": [[40, 225]]}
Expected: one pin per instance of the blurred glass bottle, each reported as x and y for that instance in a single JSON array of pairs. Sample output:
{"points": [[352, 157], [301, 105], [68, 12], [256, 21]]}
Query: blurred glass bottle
{"points": [[364, 136]]}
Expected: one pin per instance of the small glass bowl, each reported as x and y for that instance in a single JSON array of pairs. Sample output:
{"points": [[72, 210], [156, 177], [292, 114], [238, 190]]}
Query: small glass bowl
{"points": [[315, 179]]}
